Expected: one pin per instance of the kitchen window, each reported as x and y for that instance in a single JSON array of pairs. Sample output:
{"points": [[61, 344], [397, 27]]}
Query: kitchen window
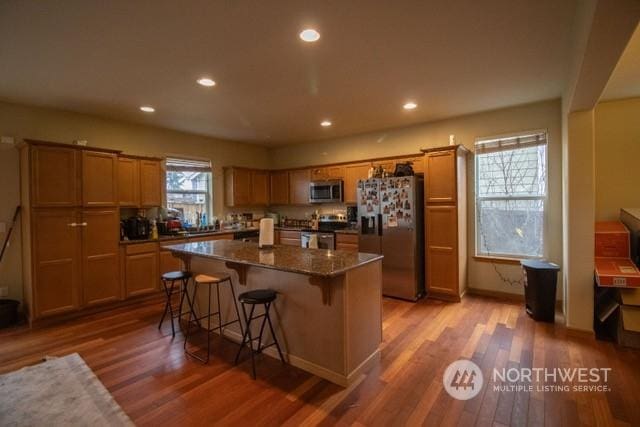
{"points": [[511, 195], [189, 184]]}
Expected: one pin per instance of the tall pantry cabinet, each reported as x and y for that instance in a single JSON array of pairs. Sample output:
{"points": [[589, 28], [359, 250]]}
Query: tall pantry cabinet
{"points": [[70, 227], [445, 197]]}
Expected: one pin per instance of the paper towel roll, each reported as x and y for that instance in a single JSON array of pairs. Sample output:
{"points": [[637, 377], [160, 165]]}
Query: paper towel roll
{"points": [[266, 233], [313, 241]]}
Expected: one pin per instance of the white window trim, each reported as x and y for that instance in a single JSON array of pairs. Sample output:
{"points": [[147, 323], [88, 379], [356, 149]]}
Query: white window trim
{"points": [[545, 199], [209, 195]]}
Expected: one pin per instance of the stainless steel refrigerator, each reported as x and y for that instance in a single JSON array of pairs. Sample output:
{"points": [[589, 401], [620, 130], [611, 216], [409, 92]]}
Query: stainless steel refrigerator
{"points": [[391, 221]]}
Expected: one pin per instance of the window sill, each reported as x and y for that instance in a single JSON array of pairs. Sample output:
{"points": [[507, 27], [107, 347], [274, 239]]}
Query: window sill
{"points": [[497, 260]]}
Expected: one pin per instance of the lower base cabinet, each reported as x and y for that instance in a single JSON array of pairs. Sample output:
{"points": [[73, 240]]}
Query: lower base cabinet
{"points": [[141, 269], [347, 242]]}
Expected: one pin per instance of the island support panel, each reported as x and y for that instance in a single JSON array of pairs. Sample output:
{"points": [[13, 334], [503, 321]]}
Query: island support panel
{"points": [[335, 339]]}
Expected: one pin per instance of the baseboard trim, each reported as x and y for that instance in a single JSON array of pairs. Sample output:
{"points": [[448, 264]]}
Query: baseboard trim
{"points": [[155, 297], [580, 333], [495, 294], [305, 365]]}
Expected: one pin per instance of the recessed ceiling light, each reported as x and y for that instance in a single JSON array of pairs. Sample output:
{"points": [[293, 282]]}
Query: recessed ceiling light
{"points": [[325, 123], [205, 81], [410, 106], [310, 35], [147, 109]]}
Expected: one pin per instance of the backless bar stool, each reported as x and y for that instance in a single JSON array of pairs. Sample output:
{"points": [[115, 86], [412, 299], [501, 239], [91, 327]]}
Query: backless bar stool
{"points": [[168, 281], [253, 298], [210, 281]]}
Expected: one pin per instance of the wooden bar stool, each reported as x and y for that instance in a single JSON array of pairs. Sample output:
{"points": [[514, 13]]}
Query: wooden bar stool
{"points": [[168, 281], [253, 298], [215, 280]]}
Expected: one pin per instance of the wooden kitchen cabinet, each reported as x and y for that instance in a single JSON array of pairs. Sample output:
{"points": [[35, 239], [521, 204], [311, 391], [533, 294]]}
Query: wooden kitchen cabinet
{"points": [[299, 186], [279, 187], [259, 188], [440, 177], [347, 242], [100, 256], [128, 181], [150, 183], [141, 268], [54, 175], [55, 255], [99, 178], [353, 173], [327, 173], [167, 261], [289, 238], [335, 172], [246, 187], [445, 222]]}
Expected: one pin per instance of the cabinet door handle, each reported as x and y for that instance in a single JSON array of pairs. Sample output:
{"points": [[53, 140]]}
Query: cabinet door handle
{"points": [[73, 224], [83, 224]]}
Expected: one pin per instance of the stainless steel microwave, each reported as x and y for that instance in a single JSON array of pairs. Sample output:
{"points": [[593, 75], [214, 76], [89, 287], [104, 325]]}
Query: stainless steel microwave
{"points": [[325, 192]]}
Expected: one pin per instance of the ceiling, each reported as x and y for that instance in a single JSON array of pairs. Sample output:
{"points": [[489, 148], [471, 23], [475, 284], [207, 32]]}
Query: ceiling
{"points": [[625, 79], [452, 57]]}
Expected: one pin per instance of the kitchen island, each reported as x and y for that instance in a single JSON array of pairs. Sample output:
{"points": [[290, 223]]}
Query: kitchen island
{"points": [[328, 314]]}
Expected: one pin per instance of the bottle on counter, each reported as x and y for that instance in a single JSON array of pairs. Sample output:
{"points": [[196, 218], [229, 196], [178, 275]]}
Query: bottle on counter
{"points": [[154, 230]]}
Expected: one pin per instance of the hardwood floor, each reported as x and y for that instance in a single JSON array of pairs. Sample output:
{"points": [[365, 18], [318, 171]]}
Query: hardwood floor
{"points": [[150, 377]]}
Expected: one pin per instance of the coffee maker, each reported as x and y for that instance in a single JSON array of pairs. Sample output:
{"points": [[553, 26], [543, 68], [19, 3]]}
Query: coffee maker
{"points": [[137, 228]]}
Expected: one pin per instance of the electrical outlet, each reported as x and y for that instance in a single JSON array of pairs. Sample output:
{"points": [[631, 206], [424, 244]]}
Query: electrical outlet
{"points": [[4, 291]]}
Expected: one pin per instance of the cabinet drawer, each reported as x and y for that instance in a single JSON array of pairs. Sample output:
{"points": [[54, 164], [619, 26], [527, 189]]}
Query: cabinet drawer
{"points": [[141, 248], [290, 242], [347, 247], [347, 238], [288, 234]]}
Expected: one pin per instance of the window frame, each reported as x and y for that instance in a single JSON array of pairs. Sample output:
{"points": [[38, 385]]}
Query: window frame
{"points": [[209, 195], [478, 254]]}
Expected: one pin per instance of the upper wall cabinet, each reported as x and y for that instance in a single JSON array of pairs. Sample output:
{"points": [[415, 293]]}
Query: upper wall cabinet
{"points": [[354, 173], [128, 181], [440, 179], [246, 187], [55, 178], [279, 187], [259, 187], [299, 186], [99, 178], [150, 183]]}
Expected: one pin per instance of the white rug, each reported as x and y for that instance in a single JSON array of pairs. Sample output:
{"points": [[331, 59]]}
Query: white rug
{"points": [[59, 392]]}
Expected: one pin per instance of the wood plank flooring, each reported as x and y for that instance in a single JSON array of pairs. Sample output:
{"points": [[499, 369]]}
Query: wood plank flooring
{"points": [[150, 377]]}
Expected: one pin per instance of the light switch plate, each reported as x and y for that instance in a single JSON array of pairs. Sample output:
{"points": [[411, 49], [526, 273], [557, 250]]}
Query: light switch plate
{"points": [[4, 291], [3, 227]]}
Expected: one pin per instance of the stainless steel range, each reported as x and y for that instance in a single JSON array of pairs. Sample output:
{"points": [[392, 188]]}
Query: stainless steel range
{"points": [[324, 237]]}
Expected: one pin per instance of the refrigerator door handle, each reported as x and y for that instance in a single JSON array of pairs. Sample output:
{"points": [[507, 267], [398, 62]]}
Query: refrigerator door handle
{"points": [[379, 224]]}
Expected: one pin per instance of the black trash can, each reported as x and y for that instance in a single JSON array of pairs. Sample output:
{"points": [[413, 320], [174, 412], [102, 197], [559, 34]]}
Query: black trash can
{"points": [[8, 312], [540, 280]]}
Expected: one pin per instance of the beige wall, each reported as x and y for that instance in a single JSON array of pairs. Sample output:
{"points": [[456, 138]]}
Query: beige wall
{"points": [[617, 150], [409, 140], [59, 126]]}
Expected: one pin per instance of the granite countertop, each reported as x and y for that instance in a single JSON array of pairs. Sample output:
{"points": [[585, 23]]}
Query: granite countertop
{"points": [[166, 238], [313, 262]]}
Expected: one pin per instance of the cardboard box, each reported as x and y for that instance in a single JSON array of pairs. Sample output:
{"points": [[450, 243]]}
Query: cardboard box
{"points": [[617, 272], [612, 240]]}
